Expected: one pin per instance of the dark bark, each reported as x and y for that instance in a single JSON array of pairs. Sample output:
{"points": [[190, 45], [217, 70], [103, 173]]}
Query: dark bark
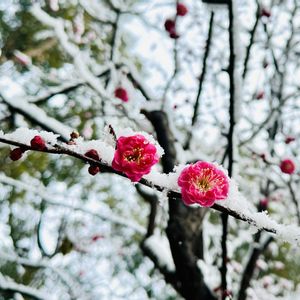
{"points": [[201, 79], [230, 148], [184, 225], [251, 265], [59, 149]]}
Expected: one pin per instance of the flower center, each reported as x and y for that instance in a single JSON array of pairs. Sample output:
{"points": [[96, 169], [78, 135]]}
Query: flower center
{"points": [[208, 180], [135, 155], [204, 184]]}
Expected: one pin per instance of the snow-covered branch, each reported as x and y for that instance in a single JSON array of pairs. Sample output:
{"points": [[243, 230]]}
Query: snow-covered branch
{"points": [[236, 205], [61, 201], [13, 287], [38, 116], [65, 278], [79, 59]]}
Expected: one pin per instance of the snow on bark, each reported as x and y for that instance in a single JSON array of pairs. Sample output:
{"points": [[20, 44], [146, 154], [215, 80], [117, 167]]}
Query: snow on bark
{"points": [[159, 246], [25, 135]]}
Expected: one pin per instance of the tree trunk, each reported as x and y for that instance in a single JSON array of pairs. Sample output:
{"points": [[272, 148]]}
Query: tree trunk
{"points": [[184, 226]]}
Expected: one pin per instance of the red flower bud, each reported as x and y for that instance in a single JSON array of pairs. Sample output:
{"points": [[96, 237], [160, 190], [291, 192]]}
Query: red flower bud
{"points": [[93, 170], [181, 9], [287, 166], [289, 139], [265, 13], [122, 94], [16, 154], [170, 25], [260, 95], [38, 143], [263, 204], [97, 237], [92, 154]]}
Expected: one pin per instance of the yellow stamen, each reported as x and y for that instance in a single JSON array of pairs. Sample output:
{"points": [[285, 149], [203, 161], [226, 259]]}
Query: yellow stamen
{"points": [[135, 156], [204, 184]]}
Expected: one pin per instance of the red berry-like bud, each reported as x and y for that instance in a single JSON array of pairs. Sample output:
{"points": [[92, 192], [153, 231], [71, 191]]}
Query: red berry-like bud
{"points": [[287, 166], [38, 143], [97, 237], [174, 35], [260, 95], [16, 154], [289, 139], [263, 204], [93, 170], [181, 9], [265, 13], [74, 135], [122, 94], [170, 25], [227, 293], [92, 154]]}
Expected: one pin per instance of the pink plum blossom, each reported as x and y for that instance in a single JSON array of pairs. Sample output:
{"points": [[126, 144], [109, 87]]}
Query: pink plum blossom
{"points": [[203, 183], [134, 156]]}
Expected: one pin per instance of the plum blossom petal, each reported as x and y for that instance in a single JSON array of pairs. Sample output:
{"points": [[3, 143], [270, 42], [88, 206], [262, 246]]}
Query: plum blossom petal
{"points": [[134, 156], [203, 183]]}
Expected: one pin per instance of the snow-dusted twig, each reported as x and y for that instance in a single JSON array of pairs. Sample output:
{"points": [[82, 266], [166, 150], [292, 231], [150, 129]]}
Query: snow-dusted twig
{"points": [[201, 79], [59, 201], [13, 287], [236, 205], [62, 89], [251, 264], [38, 116], [78, 58], [66, 279], [99, 13], [252, 38]]}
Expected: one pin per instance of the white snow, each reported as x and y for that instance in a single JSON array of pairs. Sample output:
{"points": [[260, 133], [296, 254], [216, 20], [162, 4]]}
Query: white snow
{"points": [[24, 135], [17, 100], [159, 246], [80, 61]]}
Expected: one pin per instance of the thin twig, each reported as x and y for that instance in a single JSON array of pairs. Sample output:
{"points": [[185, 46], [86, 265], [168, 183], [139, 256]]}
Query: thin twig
{"points": [[251, 42], [60, 149], [230, 146], [201, 80]]}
